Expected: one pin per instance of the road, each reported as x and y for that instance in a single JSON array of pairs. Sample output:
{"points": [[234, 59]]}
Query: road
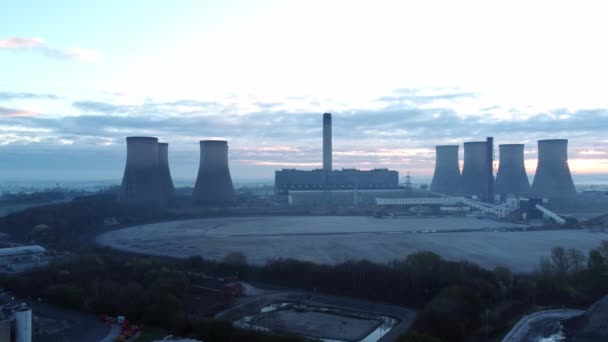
{"points": [[535, 325]]}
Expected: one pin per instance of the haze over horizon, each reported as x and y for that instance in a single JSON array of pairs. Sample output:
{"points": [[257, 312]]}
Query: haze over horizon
{"points": [[76, 79]]}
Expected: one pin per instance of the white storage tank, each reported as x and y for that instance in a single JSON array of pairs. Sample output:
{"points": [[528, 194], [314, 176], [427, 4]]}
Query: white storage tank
{"points": [[23, 324]]}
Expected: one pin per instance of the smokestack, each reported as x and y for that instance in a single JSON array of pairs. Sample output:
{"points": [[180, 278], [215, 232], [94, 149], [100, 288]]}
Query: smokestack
{"points": [[475, 169], [164, 171], [213, 183], [553, 178], [327, 151], [446, 178], [512, 178], [141, 183], [489, 194]]}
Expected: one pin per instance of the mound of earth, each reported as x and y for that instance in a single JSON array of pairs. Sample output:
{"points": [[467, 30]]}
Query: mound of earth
{"points": [[590, 326]]}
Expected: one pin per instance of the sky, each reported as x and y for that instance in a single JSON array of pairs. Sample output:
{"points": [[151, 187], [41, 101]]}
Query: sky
{"points": [[399, 77]]}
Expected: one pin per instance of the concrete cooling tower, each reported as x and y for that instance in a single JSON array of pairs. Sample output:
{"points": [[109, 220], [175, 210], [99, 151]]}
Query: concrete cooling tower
{"points": [[446, 178], [512, 178], [475, 169], [165, 172], [213, 183], [553, 178], [141, 184]]}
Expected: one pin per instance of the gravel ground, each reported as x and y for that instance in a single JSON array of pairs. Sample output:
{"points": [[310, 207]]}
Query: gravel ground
{"points": [[334, 239]]}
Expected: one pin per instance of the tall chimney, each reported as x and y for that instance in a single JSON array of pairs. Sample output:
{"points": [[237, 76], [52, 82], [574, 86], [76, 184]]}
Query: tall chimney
{"points": [[213, 183], [475, 169], [446, 178], [553, 178], [141, 182], [327, 142], [511, 178], [164, 171], [489, 194]]}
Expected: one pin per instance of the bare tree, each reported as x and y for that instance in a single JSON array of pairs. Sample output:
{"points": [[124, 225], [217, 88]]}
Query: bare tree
{"points": [[576, 259], [560, 261]]}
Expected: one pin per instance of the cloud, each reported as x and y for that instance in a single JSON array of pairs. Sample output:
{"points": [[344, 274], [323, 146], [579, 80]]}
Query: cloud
{"points": [[5, 95], [20, 43], [397, 137], [39, 45], [12, 112]]}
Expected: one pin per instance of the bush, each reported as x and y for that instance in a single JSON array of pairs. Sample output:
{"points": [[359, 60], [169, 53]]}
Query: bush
{"points": [[66, 296]]}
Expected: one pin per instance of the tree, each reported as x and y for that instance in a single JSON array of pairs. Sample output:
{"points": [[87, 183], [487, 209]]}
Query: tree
{"points": [[235, 259], [596, 263], [560, 261], [576, 259], [603, 249]]}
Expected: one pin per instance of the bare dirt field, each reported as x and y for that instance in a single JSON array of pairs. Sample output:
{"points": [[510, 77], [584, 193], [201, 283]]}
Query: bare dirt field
{"points": [[333, 239]]}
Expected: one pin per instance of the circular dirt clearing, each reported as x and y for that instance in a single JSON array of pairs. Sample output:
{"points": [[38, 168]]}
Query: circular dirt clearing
{"points": [[334, 239]]}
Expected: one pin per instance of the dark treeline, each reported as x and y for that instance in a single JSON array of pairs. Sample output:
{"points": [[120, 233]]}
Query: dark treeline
{"points": [[457, 301], [63, 225], [67, 225]]}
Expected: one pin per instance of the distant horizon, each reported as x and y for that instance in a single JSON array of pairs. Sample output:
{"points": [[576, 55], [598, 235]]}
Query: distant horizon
{"points": [[579, 180]]}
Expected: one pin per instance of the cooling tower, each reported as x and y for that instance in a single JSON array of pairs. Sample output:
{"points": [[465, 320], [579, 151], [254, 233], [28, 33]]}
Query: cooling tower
{"points": [[213, 183], [474, 171], [327, 142], [164, 171], [553, 178], [446, 178], [141, 184], [512, 178]]}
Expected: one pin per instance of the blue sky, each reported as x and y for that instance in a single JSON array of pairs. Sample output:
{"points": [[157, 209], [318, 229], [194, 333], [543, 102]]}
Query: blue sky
{"points": [[77, 77]]}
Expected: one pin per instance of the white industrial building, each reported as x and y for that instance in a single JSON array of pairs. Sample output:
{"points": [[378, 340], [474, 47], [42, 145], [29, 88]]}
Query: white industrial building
{"points": [[21, 258], [347, 197]]}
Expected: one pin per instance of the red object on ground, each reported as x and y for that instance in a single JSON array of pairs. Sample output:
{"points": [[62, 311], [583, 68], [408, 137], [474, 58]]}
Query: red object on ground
{"points": [[233, 289], [229, 279]]}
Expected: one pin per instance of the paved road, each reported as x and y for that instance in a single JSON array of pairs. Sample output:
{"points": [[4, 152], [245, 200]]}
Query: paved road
{"points": [[535, 324]]}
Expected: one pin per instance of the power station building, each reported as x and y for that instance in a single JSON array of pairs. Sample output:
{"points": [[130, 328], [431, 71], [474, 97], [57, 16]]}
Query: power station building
{"points": [[290, 180]]}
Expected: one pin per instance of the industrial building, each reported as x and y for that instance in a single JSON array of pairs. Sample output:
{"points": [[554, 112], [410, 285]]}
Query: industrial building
{"points": [[18, 318], [289, 181], [553, 178], [213, 183], [22, 258], [310, 198], [146, 181]]}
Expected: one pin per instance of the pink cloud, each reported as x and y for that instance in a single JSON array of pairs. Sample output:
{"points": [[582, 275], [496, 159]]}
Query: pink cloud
{"points": [[16, 112], [20, 43], [38, 44]]}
